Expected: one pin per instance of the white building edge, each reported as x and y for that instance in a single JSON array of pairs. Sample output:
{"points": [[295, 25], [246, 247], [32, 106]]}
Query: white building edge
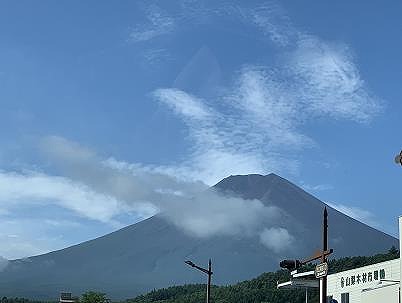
{"points": [[373, 283], [376, 283]]}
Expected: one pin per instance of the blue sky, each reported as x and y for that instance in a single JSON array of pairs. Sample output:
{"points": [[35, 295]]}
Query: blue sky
{"points": [[104, 104]]}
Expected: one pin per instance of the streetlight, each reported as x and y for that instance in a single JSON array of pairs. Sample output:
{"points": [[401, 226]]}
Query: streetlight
{"points": [[205, 271], [398, 158]]}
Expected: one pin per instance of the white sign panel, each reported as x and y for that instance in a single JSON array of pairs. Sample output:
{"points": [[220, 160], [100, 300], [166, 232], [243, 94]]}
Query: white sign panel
{"points": [[321, 270]]}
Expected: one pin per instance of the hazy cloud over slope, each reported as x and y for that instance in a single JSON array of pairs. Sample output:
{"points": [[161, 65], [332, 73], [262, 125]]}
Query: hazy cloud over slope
{"points": [[190, 205]]}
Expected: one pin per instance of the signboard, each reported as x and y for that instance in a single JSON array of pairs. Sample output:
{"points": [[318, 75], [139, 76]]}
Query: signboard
{"points": [[363, 277], [65, 296], [321, 270]]}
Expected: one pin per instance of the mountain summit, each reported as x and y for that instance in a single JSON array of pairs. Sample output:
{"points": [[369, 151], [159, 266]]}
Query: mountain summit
{"points": [[150, 254]]}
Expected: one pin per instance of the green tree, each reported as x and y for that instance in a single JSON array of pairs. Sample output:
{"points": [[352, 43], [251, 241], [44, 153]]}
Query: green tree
{"points": [[94, 297]]}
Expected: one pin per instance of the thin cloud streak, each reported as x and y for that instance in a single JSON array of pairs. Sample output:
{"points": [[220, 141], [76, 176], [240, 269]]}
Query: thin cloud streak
{"points": [[272, 20], [158, 23], [357, 213], [40, 189], [316, 188]]}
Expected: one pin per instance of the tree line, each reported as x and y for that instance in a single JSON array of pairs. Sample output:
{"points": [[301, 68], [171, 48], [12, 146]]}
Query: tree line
{"points": [[259, 290]]}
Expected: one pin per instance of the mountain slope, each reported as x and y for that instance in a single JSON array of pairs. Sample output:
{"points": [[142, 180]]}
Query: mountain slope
{"points": [[150, 254], [303, 215]]}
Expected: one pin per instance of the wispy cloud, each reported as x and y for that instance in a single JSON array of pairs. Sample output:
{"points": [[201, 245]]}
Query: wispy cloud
{"points": [[20, 238], [256, 126], [222, 143], [357, 213], [189, 107], [321, 75], [317, 187], [43, 189], [158, 23], [329, 83], [273, 21], [270, 18]]}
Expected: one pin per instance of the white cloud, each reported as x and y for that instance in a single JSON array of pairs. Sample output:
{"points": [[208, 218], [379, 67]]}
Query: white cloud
{"points": [[221, 144], [184, 104], [261, 117], [22, 247], [256, 127], [63, 223], [315, 188], [273, 21], [21, 237], [66, 149], [329, 83], [316, 76], [277, 239], [25, 195], [158, 23], [357, 213], [209, 213], [43, 189], [66, 200], [270, 18], [267, 105]]}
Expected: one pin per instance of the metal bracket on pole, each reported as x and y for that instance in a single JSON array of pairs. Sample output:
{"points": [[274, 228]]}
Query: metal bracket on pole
{"points": [[206, 271]]}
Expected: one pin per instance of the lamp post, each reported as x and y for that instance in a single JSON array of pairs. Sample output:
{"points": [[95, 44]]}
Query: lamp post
{"points": [[205, 271]]}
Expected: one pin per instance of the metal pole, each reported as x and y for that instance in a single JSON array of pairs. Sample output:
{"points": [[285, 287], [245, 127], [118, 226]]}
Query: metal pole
{"points": [[321, 291], [209, 281], [400, 256], [306, 296], [324, 258]]}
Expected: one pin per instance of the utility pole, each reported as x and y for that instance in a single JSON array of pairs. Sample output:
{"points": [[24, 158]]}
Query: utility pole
{"points": [[323, 280], [400, 256], [209, 281], [321, 269], [205, 271]]}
